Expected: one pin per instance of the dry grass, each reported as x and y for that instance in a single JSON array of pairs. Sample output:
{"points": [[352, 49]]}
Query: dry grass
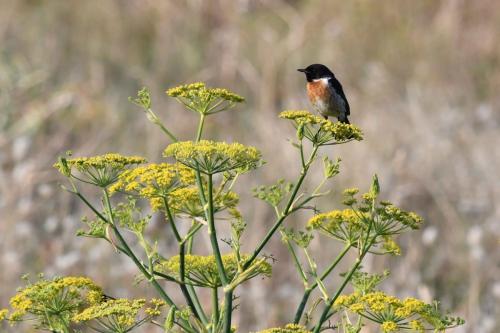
{"points": [[422, 78]]}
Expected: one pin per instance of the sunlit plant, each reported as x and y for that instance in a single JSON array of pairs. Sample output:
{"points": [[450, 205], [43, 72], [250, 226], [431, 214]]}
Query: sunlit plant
{"points": [[194, 185]]}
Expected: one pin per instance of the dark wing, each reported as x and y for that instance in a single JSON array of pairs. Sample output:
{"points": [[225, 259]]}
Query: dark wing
{"points": [[337, 87]]}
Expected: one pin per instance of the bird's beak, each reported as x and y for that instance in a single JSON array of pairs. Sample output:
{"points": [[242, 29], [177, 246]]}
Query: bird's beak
{"points": [[301, 70]]}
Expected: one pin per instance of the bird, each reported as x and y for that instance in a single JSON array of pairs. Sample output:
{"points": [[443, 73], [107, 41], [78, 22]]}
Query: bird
{"points": [[325, 92]]}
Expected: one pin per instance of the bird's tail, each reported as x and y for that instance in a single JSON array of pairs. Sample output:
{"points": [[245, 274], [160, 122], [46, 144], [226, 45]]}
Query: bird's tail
{"points": [[343, 119]]}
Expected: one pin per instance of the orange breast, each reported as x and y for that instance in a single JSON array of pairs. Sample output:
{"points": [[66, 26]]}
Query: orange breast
{"points": [[317, 90]]}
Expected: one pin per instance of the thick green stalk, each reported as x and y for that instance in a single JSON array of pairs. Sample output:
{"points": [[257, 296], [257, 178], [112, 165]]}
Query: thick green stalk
{"points": [[215, 309], [218, 258], [228, 310], [324, 314], [285, 213], [308, 291]]}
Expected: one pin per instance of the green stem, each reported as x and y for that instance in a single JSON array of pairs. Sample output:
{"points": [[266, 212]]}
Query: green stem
{"points": [[197, 304], [324, 314], [285, 213], [188, 238], [188, 291], [228, 310], [302, 305], [218, 258], [296, 261], [200, 127], [163, 128], [307, 291], [213, 233], [215, 309]]}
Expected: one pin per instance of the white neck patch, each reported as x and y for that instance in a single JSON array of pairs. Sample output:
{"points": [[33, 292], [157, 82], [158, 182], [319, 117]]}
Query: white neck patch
{"points": [[324, 80]]}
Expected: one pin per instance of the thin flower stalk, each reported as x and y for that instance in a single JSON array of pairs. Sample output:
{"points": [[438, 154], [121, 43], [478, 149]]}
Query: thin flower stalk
{"points": [[189, 295], [328, 306], [309, 289], [287, 209]]}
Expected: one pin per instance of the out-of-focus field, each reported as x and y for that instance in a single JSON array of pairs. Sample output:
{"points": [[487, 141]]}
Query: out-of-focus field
{"points": [[422, 77]]}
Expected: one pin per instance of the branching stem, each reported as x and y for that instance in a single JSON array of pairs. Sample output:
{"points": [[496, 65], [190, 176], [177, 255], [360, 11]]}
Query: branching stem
{"points": [[287, 209]]}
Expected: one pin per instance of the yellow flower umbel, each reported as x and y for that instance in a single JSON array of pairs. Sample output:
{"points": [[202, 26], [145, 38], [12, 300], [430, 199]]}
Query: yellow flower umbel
{"points": [[199, 98], [321, 131], [187, 201], [211, 157], [120, 315], [290, 328], [100, 170], [154, 181], [394, 314], [389, 326], [202, 270], [381, 219], [52, 303], [344, 225]]}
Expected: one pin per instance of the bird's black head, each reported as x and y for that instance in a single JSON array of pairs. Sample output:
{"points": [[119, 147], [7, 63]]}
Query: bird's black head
{"points": [[316, 71]]}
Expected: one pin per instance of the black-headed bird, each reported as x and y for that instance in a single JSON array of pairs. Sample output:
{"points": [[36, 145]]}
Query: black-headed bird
{"points": [[325, 92]]}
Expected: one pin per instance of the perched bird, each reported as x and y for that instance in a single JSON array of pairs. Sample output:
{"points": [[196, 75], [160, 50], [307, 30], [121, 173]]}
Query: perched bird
{"points": [[325, 92]]}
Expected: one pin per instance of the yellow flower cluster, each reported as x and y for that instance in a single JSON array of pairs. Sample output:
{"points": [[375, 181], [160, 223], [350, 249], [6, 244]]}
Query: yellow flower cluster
{"points": [[37, 298], [332, 219], [211, 157], [154, 180], [379, 302], [408, 219], [3, 314], [319, 130], [409, 306], [340, 224], [394, 314], [198, 97], [390, 246], [417, 325], [387, 220], [290, 328], [199, 89], [202, 270], [95, 296], [389, 326], [110, 160], [187, 201], [100, 170], [346, 300], [123, 313], [301, 116]]}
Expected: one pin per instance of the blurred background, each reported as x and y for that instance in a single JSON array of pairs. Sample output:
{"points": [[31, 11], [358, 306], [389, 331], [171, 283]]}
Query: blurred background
{"points": [[422, 78]]}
